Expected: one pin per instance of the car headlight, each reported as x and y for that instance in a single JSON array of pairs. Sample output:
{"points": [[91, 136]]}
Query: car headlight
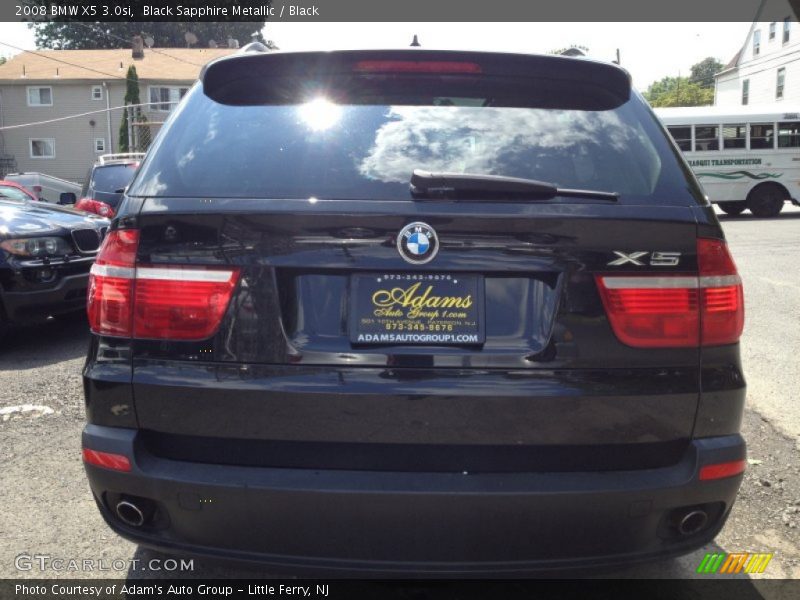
{"points": [[38, 246]]}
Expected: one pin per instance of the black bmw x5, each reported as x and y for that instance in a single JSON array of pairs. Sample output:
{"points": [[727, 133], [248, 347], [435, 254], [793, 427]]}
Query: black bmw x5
{"points": [[415, 311], [46, 251]]}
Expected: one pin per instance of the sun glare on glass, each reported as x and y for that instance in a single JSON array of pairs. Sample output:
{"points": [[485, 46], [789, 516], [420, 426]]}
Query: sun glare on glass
{"points": [[320, 114]]}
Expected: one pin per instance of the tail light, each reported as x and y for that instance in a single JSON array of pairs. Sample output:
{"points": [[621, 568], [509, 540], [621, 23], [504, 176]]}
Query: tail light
{"points": [[722, 309], [417, 66], [722, 470], [154, 301], [107, 460], [95, 206], [655, 311], [181, 303], [109, 301]]}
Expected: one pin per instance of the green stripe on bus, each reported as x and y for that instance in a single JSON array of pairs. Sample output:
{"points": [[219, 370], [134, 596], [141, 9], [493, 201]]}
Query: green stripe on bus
{"points": [[740, 175]]}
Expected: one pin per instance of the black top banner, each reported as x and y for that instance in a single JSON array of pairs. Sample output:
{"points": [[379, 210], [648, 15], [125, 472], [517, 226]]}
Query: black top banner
{"points": [[398, 11]]}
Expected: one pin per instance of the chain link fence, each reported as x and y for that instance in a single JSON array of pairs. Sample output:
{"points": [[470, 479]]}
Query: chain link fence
{"points": [[141, 132]]}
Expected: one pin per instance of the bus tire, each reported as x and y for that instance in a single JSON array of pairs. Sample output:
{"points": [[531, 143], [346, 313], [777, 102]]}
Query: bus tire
{"points": [[766, 200], [732, 208]]}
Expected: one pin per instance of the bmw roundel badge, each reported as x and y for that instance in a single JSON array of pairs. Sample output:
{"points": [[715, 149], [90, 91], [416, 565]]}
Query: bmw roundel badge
{"points": [[417, 243]]}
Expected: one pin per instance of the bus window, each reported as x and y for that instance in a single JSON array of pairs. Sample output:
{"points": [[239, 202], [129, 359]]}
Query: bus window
{"points": [[734, 136], [682, 136], [706, 137], [789, 134], [762, 136]]}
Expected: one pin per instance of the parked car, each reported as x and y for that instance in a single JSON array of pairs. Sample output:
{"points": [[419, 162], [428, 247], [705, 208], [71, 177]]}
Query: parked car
{"points": [[14, 191], [45, 187], [46, 251], [440, 312], [106, 181]]}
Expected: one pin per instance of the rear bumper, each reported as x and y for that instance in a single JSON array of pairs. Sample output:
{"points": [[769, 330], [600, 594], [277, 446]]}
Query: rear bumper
{"points": [[369, 522]]}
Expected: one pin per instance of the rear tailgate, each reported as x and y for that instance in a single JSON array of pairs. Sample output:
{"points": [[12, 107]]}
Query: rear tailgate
{"points": [[309, 213], [283, 369]]}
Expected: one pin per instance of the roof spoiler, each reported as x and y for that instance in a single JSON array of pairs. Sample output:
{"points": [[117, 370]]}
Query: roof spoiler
{"points": [[221, 78]]}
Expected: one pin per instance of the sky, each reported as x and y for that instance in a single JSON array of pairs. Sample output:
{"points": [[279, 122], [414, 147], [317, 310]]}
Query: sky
{"points": [[649, 51]]}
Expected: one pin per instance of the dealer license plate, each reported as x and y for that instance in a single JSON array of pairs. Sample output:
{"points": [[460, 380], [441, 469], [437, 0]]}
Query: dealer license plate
{"points": [[406, 308]]}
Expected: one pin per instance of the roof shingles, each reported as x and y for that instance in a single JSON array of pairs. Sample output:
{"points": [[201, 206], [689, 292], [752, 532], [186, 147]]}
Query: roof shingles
{"points": [[161, 64]]}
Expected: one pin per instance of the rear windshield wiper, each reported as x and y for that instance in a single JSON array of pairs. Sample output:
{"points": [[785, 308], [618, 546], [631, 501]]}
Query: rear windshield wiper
{"points": [[425, 184]]}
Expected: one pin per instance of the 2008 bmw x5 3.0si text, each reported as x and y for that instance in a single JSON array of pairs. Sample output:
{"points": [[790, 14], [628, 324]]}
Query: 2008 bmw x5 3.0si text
{"points": [[415, 311]]}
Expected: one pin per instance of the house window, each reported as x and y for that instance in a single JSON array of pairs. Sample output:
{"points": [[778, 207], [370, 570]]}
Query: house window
{"points": [[165, 98], [42, 147], [745, 91], [779, 83], [40, 96], [99, 145], [787, 25], [771, 31], [97, 92], [756, 42]]}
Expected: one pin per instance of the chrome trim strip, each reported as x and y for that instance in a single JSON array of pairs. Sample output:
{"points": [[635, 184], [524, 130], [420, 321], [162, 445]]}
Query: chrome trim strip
{"points": [[113, 271], [646, 283], [180, 274], [713, 281], [614, 282]]}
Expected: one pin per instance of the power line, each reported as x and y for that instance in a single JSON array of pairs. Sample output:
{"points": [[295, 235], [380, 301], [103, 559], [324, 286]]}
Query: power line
{"points": [[122, 39], [120, 77], [64, 62], [112, 76], [741, 68], [126, 41], [91, 112]]}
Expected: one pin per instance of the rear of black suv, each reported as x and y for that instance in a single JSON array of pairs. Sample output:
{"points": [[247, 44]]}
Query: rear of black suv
{"points": [[415, 311]]}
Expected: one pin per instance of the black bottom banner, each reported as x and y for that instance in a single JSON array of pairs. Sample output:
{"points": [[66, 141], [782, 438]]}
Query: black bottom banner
{"points": [[335, 589]]}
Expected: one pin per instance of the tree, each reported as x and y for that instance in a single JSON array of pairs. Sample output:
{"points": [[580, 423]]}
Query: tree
{"points": [[60, 35], [695, 90], [678, 91], [2, 60], [704, 71], [131, 97]]}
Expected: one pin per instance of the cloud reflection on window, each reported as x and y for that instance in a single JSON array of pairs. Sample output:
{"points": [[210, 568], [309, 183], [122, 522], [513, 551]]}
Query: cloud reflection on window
{"points": [[568, 148]]}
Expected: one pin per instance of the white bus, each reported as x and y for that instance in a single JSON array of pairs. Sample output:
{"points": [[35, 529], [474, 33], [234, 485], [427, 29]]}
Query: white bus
{"points": [[744, 156]]}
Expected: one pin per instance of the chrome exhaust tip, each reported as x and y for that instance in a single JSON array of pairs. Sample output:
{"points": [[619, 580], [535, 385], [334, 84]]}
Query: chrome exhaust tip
{"points": [[692, 522], [129, 513]]}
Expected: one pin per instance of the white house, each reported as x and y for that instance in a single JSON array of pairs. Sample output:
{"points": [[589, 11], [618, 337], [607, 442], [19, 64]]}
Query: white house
{"points": [[767, 67]]}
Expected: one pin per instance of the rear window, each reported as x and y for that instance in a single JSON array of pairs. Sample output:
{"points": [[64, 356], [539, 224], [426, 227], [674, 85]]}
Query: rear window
{"points": [[369, 149], [113, 177]]}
